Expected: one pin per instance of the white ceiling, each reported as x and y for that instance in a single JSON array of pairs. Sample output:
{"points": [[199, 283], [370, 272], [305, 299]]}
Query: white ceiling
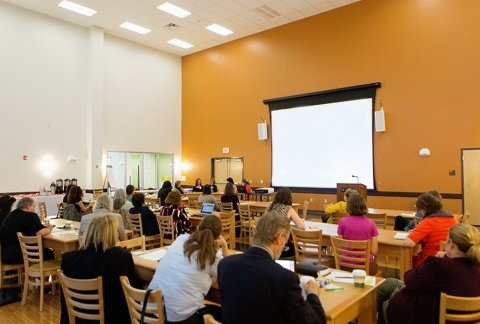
{"points": [[242, 17]]}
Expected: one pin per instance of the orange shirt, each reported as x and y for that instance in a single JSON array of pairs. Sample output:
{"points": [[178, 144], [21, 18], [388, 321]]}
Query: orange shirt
{"points": [[430, 231]]}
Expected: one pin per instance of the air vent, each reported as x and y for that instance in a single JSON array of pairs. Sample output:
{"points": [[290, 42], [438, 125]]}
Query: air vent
{"points": [[171, 26], [267, 12]]}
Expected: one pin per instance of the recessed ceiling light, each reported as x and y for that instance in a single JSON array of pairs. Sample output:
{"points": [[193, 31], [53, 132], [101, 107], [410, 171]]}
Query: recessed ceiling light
{"points": [[135, 28], [180, 43], [219, 29], [77, 8], [174, 10]]}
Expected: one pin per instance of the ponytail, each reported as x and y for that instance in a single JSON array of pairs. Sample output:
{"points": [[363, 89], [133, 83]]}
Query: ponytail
{"points": [[467, 239]]}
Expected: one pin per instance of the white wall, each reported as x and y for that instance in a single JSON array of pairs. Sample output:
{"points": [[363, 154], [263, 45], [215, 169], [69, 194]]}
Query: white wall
{"points": [[44, 84]]}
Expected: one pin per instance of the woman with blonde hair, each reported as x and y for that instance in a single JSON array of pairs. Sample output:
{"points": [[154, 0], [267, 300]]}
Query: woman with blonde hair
{"points": [[98, 256], [455, 271], [186, 272]]}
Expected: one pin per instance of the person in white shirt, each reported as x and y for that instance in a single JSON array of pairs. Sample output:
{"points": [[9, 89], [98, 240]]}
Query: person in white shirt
{"points": [[186, 272]]}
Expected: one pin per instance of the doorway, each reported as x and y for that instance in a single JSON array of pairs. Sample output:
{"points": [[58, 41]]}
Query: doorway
{"points": [[223, 168], [471, 183]]}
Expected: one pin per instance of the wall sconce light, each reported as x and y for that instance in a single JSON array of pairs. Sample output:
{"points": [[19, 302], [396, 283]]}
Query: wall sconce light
{"points": [[424, 152]]}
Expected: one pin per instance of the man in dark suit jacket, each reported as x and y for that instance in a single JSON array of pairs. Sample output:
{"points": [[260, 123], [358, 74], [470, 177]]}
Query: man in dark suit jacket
{"points": [[255, 289]]}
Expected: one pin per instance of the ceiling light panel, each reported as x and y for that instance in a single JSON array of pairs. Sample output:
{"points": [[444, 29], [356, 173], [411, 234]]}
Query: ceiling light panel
{"points": [[180, 43], [216, 28], [77, 8], [135, 28], [174, 10]]}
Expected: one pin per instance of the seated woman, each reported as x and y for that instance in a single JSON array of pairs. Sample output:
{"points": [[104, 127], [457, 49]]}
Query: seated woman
{"points": [[455, 272], [198, 186], [180, 217], [357, 227], [24, 220], [178, 187], [207, 197], [66, 193], [340, 206], [213, 185], [282, 205], [230, 180], [98, 256], [431, 230], [121, 203], [75, 208], [149, 220], [103, 206], [6, 203], [163, 192], [186, 272], [230, 196]]}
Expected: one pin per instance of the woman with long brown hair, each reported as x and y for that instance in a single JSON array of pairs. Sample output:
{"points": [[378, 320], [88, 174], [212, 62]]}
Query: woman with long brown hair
{"points": [[187, 270]]}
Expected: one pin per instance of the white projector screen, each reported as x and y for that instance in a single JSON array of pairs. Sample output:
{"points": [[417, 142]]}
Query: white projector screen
{"points": [[318, 146]]}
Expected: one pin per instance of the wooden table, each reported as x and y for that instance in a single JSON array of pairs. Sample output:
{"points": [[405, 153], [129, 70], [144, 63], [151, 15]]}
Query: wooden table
{"points": [[387, 244], [350, 303], [63, 240], [340, 306]]}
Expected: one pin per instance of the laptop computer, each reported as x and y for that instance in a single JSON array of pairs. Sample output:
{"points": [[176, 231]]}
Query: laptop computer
{"points": [[207, 209]]}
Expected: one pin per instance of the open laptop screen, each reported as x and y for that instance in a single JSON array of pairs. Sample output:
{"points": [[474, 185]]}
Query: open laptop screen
{"points": [[207, 208]]}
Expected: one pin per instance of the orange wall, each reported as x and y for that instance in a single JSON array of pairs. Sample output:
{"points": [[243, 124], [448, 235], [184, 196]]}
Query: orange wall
{"points": [[424, 52]]}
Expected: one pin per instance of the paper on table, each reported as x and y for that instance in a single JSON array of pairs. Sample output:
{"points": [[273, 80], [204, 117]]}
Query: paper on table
{"points": [[400, 235], [370, 281], [63, 232], [155, 255], [339, 276]]}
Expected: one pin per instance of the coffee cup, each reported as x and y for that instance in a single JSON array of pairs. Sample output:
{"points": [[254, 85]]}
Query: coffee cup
{"points": [[68, 224], [359, 278]]}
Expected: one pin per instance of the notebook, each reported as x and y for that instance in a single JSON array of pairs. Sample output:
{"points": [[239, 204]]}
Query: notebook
{"points": [[207, 209]]}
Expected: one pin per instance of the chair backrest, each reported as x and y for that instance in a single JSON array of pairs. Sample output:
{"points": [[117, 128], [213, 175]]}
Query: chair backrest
{"points": [[228, 227], [464, 219], [32, 251], [308, 244], [134, 244], [335, 217], [10, 272], [192, 203], [459, 309], [209, 319], [305, 209], [380, 219], [135, 221], [442, 245], [42, 210], [60, 207], [167, 229], [225, 206], [351, 254], [83, 297], [154, 310], [125, 218]]}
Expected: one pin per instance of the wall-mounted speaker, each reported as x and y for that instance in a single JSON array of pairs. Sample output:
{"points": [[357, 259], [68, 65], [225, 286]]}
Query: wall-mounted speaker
{"points": [[262, 131], [380, 121]]}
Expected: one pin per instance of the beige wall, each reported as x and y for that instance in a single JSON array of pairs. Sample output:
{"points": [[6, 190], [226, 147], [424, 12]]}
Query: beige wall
{"points": [[425, 54]]}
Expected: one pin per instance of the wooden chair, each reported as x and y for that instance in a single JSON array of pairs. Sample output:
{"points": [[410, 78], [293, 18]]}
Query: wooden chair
{"points": [[60, 207], [247, 223], [209, 319], [442, 245], [134, 244], [10, 274], [225, 206], [135, 297], [465, 218], [125, 218], [308, 247], [135, 222], [153, 241], [167, 229], [351, 254], [459, 309], [83, 297], [305, 210], [335, 217], [36, 270], [42, 210], [97, 193], [380, 219], [228, 227]]}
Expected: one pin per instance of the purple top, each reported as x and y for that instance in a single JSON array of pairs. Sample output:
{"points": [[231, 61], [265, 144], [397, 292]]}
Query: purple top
{"points": [[357, 228]]}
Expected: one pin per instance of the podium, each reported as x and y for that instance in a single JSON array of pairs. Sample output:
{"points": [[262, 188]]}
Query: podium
{"points": [[341, 187]]}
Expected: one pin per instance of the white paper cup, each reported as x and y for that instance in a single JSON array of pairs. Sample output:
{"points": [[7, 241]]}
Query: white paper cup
{"points": [[359, 278]]}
